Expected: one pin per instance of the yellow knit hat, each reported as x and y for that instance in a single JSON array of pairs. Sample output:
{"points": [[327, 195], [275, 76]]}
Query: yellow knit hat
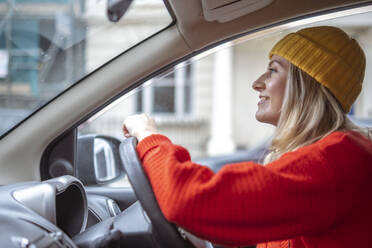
{"points": [[330, 56]]}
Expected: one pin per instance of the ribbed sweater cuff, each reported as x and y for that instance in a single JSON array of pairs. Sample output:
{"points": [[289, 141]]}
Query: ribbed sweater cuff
{"points": [[149, 143]]}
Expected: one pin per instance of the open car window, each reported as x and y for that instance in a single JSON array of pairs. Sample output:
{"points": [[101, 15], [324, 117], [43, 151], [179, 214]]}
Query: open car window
{"points": [[47, 46], [207, 103]]}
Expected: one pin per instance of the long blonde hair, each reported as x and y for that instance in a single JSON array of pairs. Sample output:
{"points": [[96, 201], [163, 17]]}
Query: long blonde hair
{"points": [[309, 113]]}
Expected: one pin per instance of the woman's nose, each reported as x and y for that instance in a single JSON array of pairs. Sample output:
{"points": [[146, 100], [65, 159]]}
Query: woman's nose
{"points": [[259, 84]]}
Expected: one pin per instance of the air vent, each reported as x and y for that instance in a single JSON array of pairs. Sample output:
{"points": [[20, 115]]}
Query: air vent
{"points": [[227, 10]]}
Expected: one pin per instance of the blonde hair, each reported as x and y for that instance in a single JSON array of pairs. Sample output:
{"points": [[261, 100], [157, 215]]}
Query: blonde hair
{"points": [[309, 113]]}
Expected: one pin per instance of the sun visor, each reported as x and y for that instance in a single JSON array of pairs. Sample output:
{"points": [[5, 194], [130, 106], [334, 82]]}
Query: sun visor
{"points": [[227, 10]]}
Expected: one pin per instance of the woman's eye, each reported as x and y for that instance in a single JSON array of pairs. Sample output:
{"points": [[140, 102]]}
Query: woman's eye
{"points": [[272, 70]]}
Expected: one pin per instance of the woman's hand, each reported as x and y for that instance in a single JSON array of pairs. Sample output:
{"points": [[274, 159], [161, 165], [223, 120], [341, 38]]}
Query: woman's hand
{"points": [[139, 126]]}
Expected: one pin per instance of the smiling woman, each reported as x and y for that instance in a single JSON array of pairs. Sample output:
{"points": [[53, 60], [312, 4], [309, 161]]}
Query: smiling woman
{"points": [[271, 86], [313, 78]]}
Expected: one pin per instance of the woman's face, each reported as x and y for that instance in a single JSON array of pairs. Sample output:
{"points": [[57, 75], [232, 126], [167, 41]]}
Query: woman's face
{"points": [[271, 86]]}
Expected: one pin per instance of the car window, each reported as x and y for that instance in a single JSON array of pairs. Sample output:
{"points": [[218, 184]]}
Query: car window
{"points": [[207, 103], [48, 45]]}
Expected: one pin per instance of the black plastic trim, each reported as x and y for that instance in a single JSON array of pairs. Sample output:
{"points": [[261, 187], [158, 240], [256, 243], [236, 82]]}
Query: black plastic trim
{"points": [[170, 10], [67, 142], [124, 197]]}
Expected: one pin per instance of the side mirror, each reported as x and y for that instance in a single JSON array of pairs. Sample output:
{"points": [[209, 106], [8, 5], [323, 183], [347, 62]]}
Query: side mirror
{"points": [[98, 160]]}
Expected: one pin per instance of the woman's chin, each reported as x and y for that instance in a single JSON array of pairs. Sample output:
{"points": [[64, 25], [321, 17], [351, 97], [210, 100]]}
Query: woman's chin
{"points": [[265, 119], [260, 117]]}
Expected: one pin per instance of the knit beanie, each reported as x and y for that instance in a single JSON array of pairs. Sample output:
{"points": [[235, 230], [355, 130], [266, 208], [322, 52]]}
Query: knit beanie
{"points": [[328, 55]]}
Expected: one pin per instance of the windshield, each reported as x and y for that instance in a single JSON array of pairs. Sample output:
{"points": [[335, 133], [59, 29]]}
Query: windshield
{"points": [[48, 45]]}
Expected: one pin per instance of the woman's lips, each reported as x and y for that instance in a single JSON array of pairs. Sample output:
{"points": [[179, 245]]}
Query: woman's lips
{"points": [[263, 99]]}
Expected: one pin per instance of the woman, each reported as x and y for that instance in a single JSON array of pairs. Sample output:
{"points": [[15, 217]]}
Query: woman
{"points": [[313, 190]]}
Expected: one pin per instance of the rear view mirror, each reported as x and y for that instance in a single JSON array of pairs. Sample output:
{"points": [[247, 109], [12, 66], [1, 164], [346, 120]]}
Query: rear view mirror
{"points": [[98, 160], [117, 8]]}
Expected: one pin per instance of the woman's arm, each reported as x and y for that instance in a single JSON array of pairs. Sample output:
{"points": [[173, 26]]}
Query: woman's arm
{"points": [[243, 203]]}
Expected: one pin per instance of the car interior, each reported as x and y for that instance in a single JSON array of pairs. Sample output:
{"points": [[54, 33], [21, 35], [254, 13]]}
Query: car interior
{"points": [[67, 184]]}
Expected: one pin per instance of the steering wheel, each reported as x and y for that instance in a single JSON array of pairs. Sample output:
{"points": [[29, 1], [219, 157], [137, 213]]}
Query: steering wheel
{"points": [[166, 233]]}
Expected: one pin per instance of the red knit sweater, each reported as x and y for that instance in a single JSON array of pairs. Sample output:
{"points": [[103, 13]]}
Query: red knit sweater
{"points": [[317, 196]]}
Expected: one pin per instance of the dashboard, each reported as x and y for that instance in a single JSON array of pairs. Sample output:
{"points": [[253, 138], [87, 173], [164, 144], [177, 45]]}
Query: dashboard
{"points": [[42, 214]]}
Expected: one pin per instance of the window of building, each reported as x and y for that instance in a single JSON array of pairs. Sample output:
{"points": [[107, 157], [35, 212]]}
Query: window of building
{"points": [[169, 94]]}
